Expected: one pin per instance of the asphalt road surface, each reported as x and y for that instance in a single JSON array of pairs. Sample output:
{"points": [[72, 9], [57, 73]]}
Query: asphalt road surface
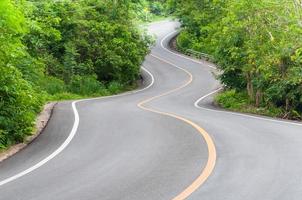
{"points": [[158, 143]]}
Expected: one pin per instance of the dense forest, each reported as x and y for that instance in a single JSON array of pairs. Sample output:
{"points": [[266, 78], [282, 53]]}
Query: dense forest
{"points": [[256, 44], [52, 50]]}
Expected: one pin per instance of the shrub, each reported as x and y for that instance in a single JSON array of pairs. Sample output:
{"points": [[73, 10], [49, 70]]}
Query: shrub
{"points": [[156, 8], [231, 99], [19, 104], [85, 85], [115, 87], [184, 41], [52, 85]]}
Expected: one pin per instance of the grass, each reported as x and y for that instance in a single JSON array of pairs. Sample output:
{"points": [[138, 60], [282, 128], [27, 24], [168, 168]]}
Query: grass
{"points": [[239, 102], [113, 89]]}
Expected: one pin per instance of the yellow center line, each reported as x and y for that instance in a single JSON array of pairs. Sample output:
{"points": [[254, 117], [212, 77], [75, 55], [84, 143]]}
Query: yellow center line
{"points": [[208, 169]]}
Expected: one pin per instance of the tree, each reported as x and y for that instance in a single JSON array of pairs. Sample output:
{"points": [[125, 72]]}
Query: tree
{"points": [[255, 44]]}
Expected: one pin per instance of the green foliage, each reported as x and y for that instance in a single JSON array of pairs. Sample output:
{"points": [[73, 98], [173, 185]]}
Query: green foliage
{"points": [[184, 41], [19, 102], [64, 96], [148, 10], [18, 105], [156, 8], [52, 85], [85, 85], [232, 100], [115, 87], [88, 38], [238, 101], [256, 44], [57, 50]]}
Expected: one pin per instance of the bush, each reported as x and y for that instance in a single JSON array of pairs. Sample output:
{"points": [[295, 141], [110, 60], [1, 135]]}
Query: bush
{"points": [[85, 85], [239, 101], [19, 104], [52, 85], [156, 8], [184, 41], [3, 139], [115, 87], [231, 99]]}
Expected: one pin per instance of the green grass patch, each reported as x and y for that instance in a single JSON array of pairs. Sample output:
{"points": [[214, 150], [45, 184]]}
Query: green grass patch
{"points": [[239, 102], [112, 89]]}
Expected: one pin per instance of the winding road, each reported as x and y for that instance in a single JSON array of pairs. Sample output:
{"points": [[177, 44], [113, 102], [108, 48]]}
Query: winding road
{"points": [[163, 141]]}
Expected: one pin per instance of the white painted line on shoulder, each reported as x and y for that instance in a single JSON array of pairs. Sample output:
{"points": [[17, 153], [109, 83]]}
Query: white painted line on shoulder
{"points": [[213, 92], [71, 134], [196, 104]]}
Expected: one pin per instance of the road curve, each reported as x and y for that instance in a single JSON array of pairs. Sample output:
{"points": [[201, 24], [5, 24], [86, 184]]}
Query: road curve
{"points": [[158, 143]]}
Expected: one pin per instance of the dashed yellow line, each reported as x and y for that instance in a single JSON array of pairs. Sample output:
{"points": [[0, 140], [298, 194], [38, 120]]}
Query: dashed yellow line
{"points": [[210, 144]]}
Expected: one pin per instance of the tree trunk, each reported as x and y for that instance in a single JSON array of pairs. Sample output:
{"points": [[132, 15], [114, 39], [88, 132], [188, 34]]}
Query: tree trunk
{"points": [[249, 86], [258, 98], [287, 106]]}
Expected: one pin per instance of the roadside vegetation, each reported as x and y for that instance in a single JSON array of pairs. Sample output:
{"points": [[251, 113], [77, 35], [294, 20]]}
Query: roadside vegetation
{"points": [[257, 45], [67, 49], [146, 11]]}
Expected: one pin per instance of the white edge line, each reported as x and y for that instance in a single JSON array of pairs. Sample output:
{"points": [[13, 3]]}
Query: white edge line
{"points": [[215, 91], [239, 114], [71, 134], [77, 119], [205, 96]]}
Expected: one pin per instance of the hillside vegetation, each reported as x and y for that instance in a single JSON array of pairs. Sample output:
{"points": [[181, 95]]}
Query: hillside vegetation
{"points": [[64, 49], [149, 10], [257, 45]]}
